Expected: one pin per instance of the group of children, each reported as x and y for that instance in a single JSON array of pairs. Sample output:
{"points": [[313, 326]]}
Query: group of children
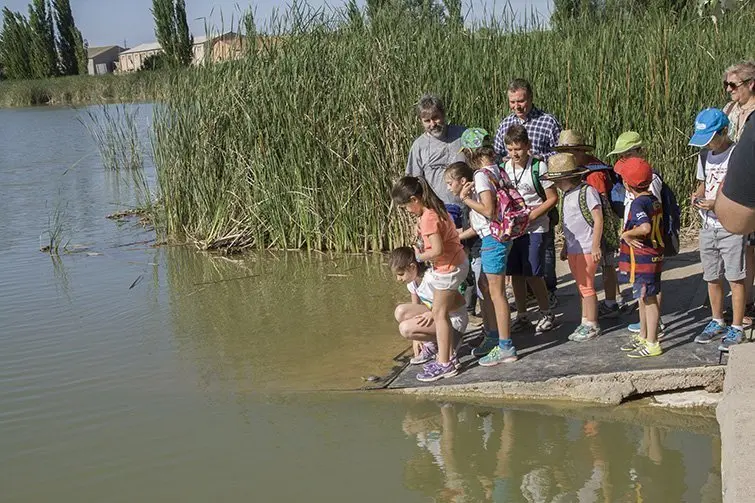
{"points": [[436, 318]]}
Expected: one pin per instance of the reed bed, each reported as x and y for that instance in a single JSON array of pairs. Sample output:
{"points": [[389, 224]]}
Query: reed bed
{"points": [[297, 145], [83, 90], [114, 129]]}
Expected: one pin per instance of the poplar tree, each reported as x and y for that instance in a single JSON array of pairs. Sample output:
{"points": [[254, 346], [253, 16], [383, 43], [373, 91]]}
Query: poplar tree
{"points": [[14, 45], [44, 60], [70, 41], [172, 30]]}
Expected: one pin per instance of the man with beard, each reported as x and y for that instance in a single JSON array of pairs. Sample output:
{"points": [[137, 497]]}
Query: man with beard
{"points": [[437, 148], [543, 130]]}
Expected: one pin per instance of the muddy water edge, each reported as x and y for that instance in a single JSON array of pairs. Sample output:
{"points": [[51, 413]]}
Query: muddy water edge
{"points": [[133, 372]]}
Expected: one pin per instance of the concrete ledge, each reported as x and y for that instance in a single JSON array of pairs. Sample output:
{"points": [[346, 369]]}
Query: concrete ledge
{"points": [[736, 415], [609, 388]]}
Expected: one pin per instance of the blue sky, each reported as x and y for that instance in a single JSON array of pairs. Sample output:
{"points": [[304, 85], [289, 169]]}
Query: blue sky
{"points": [[108, 22]]}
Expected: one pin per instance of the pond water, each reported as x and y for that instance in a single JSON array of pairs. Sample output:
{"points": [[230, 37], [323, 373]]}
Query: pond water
{"points": [[133, 372]]}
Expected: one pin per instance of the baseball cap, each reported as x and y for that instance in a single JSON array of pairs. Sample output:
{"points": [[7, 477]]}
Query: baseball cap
{"points": [[475, 137], [708, 122], [626, 141], [635, 171]]}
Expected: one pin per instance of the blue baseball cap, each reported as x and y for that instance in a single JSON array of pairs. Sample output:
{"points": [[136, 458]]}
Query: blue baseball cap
{"points": [[708, 122]]}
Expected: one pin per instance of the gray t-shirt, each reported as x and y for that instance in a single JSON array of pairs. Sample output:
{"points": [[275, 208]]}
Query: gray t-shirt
{"points": [[429, 157]]}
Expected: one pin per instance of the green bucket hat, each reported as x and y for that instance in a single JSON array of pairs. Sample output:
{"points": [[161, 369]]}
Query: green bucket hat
{"points": [[475, 137], [626, 141]]}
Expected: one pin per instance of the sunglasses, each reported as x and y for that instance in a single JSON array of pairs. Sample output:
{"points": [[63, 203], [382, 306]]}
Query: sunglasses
{"points": [[734, 85]]}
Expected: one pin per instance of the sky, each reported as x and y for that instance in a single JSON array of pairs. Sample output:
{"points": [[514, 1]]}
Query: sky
{"points": [[115, 22]]}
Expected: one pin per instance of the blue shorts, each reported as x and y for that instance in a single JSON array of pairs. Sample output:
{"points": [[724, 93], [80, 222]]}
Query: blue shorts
{"points": [[527, 255], [644, 290], [494, 255]]}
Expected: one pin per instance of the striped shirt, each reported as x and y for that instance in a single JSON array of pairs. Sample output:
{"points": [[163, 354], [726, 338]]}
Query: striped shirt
{"points": [[542, 128], [643, 265]]}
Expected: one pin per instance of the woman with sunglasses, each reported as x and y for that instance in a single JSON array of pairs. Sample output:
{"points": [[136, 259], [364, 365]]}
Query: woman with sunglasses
{"points": [[739, 83]]}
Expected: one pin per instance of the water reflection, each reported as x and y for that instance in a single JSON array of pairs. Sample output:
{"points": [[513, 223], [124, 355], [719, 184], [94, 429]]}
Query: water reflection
{"points": [[467, 453]]}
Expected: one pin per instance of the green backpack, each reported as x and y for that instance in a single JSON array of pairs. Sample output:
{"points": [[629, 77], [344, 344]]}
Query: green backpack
{"points": [[553, 214]]}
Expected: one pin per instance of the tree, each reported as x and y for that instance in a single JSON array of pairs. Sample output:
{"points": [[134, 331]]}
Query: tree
{"points": [[71, 51], [14, 45], [172, 30], [44, 60]]}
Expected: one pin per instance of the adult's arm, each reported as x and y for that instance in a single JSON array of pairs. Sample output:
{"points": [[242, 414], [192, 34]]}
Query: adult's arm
{"points": [[555, 132], [735, 202]]}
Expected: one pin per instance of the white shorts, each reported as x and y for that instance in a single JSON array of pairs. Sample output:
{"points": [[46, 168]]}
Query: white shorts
{"points": [[460, 320], [450, 280]]}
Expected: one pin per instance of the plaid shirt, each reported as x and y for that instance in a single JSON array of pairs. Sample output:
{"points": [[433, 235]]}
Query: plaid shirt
{"points": [[542, 128]]}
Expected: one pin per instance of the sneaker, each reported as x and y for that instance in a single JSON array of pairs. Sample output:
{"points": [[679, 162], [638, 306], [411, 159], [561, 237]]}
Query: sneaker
{"points": [[576, 332], [485, 347], [635, 341], [712, 330], [552, 300], [428, 352], [588, 332], [646, 350], [733, 337], [498, 355], [520, 323], [606, 311], [634, 327], [434, 371], [545, 323]]}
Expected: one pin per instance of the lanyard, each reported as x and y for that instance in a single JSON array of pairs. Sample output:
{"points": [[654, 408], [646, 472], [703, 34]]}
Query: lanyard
{"points": [[513, 170]]}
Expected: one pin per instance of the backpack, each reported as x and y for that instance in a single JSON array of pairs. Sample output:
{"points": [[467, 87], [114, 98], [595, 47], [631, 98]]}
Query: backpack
{"points": [[586, 213], [511, 213], [672, 220]]}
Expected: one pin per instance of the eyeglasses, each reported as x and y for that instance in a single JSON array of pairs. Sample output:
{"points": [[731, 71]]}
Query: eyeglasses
{"points": [[734, 85]]}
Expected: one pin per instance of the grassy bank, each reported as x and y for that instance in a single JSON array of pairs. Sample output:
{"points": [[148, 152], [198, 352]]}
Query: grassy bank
{"points": [[83, 89], [297, 146]]}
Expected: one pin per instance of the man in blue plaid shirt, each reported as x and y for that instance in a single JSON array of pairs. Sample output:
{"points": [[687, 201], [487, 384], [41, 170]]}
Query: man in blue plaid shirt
{"points": [[543, 130]]}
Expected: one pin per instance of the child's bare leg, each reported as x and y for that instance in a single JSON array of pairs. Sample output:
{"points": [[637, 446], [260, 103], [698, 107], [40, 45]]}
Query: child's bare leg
{"points": [[652, 315], [716, 297], [737, 302], [443, 331], [412, 330], [643, 321], [519, 284], [489, 321], [590, 308], [497, 287], [406, 311], [537, 284]]}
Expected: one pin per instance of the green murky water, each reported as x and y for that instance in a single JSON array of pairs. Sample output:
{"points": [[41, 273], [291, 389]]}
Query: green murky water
{"points": [[129, 372]]}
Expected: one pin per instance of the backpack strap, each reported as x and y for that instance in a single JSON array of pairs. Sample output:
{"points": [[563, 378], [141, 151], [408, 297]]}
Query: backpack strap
{"points": [[703, 160], [536, 178], [586, 213]]}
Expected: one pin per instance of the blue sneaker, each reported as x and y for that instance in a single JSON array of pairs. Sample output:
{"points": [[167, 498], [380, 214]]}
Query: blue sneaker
{"points": [[434, 371], [634, 328], [498, 355], [712, 330], [485, 347], [733, 337]]}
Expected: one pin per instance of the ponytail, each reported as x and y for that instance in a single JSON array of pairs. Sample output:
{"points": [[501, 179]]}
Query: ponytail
{"points": [[410, 186], [459, 170]]}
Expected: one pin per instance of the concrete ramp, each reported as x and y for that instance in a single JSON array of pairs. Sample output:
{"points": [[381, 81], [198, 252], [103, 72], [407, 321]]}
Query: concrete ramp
{"points": [[551, 366]]}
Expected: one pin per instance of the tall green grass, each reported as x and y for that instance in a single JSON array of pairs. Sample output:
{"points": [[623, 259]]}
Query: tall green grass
{"points": [[83, 89], [297, 145], [115, 132]]}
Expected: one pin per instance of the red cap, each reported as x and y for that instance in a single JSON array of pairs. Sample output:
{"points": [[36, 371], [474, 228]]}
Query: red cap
{"points": [[635, 171]]}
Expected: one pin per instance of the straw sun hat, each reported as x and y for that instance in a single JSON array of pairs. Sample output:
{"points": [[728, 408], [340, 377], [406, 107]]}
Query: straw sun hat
{"points": [[572, 140], [562, 166]]}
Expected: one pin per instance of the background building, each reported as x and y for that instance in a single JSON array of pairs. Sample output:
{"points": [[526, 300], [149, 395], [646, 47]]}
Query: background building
{"points": [[103, 59]]}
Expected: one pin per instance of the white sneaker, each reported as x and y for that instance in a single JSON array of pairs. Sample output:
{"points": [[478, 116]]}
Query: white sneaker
{"points": [[545, 323]]}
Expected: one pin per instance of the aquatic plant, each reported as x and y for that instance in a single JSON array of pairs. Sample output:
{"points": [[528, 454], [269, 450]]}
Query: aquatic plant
{"points": [[51, 240], [114, 129], [297, 144]]}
